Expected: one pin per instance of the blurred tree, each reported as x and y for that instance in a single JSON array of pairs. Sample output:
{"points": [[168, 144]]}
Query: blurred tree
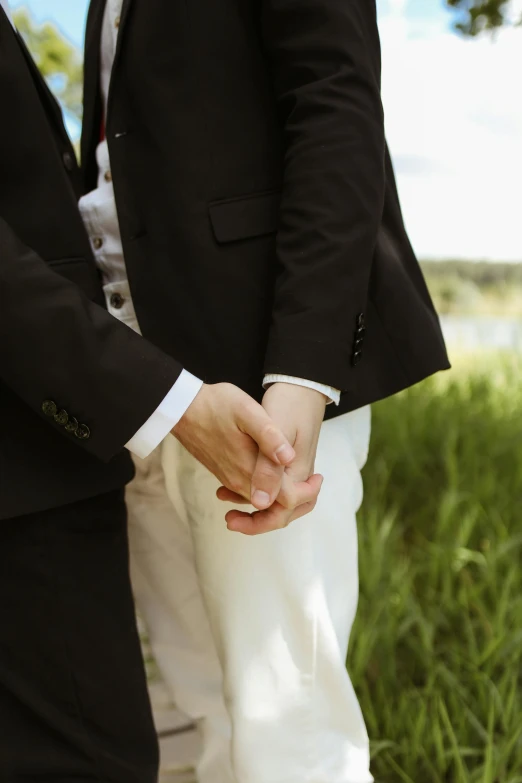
{"points": [[476, 16], [57, 58]]}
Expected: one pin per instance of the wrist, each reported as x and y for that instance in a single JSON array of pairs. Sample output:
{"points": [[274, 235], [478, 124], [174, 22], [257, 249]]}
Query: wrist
{"points": [[306, 392], [299, 396], [332, 395], [192, 409]]}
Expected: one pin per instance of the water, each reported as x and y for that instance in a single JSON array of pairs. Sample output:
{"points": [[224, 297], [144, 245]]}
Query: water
{"points": [[475, 332]]}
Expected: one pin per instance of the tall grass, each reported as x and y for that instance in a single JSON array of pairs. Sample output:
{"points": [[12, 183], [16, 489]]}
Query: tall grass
{"points": [[475, 288], [436, 653]]}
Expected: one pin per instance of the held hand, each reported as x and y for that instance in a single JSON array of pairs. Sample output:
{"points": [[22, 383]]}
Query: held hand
{"points": [[226, 430], [299, 411]]}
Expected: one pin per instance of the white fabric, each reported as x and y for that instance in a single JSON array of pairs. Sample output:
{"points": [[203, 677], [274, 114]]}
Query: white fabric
{"points": [[251, 634], [5, 6], [98, 210], [166, 415], [334, 395]]}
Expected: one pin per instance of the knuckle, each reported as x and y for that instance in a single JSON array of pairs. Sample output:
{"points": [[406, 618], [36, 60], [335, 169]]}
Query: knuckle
{"points": [[265, 474], [268, 431], [246, 408], [269, 522], [226, 388], [291, 501], [245, 402], [282, 521], [284, 499]]}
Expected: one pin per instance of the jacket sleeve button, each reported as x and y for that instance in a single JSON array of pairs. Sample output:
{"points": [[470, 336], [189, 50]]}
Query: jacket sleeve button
{"points": [[49, 408], [61, 418], [72, 425], [360, 321], [83, 432], [356, 358]]}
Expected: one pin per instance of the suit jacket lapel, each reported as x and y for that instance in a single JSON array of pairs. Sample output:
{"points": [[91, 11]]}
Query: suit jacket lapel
{"points": [[92, 104], [50, 103], [92, 108], [123, 19]]}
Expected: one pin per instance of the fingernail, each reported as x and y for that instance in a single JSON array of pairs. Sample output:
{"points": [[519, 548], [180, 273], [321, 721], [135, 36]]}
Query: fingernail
{"points": [[260, 499], [285, 454]]}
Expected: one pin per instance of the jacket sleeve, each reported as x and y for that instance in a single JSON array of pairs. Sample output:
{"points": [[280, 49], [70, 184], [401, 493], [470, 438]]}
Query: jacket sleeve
{"points": [[90, 376], [324, 57]]}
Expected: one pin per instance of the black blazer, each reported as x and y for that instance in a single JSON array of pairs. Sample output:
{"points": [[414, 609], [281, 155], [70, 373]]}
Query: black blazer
{"points": [[75, 384], [260, 218]]}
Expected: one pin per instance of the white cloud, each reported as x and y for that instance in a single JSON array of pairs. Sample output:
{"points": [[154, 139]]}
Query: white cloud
{"points": [[454, 124]]}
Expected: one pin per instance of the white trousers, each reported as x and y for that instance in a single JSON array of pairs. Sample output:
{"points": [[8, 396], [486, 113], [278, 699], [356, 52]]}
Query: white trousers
{"points": [[251, 634]]}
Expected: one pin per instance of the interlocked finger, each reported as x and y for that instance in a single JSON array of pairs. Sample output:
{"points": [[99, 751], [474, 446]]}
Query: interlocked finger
{"points": [[277, 516]]}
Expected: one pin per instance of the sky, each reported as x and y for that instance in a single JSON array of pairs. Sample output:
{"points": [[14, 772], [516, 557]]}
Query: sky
{"points": [[453, 120]]}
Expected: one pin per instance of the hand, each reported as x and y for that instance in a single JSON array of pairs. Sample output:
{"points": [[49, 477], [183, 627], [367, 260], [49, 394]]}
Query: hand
{"points": [[299, 411], [226, 430]]}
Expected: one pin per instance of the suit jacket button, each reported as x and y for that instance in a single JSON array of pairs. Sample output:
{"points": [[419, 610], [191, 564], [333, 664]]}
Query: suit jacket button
{"points": [[72, 425], [356, 358], [50, 408], [68, 161], [61, 418], [361, 331], [360, 320], [83, 432]]}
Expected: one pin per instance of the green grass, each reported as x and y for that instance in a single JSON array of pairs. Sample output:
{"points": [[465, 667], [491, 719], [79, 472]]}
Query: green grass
{"points": [[436, 653], [475, 287]]}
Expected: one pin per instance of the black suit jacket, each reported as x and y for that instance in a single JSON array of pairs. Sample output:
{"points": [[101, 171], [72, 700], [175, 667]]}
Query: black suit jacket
{"points": [[75, 384], [258, 207]]}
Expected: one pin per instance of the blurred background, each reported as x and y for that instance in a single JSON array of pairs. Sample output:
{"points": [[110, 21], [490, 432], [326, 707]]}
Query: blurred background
{"points": [[436, 654]]}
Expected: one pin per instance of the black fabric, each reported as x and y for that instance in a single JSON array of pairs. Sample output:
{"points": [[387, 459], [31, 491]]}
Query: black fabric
{"points": [[57, 341], [256, 195], [73, 698]]}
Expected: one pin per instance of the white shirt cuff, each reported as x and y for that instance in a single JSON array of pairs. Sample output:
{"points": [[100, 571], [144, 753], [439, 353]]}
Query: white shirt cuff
{"points": [[334, 395], [166, 415]]}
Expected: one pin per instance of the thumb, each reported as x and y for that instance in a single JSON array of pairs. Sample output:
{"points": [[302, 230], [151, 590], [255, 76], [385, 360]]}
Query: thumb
{"points": [[253, 420]]}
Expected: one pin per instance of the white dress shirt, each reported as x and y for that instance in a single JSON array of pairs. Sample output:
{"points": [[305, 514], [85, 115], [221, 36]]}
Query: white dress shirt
{"points": [[98, 210]]}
